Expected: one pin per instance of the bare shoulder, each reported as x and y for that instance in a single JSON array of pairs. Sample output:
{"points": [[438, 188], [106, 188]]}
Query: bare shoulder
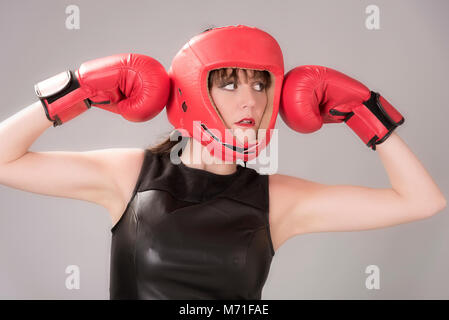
{"points": [[286, 193]]}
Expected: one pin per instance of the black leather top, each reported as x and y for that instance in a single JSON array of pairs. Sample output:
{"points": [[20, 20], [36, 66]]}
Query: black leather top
{"points": [[191, 234]]}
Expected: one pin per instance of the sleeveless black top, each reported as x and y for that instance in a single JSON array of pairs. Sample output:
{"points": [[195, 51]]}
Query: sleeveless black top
{"points": [[188, 233]]}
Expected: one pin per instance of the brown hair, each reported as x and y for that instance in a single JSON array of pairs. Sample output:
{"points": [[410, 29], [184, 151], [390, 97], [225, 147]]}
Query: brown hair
{"points": [[220, 76], [217, 76], [163, 146]]}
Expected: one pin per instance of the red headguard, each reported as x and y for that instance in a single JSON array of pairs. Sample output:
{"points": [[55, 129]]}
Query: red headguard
{"points": [[190, 106]]}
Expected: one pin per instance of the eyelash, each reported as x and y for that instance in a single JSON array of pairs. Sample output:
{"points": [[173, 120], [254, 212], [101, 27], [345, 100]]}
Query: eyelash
{"points": [[260, 83]]}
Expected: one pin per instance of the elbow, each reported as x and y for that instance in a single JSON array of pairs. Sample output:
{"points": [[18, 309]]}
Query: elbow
{"points": [[426, 208], [443, 203], [438, 206]]}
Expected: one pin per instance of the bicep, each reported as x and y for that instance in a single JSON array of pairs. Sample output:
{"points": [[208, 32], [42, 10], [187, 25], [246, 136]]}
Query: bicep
{"points": [[353, 208], [315, 207], [76, 175]]}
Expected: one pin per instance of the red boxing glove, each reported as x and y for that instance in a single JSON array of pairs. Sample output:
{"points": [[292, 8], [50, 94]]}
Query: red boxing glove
{"points": [[133, 85], [313, 95]]}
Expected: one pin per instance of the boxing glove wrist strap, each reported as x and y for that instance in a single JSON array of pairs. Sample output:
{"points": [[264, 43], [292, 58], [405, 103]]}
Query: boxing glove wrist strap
{"points": [[62, 97], [373, 121]]}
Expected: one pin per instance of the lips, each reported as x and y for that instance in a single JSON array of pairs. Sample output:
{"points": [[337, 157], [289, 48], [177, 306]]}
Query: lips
{"points": [[246, 122]]}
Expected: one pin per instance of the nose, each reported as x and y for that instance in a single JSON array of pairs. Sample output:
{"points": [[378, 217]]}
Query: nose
{"points": [[247, 97]]}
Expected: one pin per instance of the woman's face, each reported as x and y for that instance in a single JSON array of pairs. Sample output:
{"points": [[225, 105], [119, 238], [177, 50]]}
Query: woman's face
{"points": [[246, 98]]}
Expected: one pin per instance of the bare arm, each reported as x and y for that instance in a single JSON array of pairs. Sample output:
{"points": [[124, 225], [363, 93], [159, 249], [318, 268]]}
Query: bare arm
{"points": [[89, 175], [315, 207], [18, 132], [408, 177]]}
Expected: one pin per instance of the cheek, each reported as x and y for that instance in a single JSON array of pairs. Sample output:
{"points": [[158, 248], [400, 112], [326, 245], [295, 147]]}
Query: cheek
{"points": [[262, 104], [223, 103]]}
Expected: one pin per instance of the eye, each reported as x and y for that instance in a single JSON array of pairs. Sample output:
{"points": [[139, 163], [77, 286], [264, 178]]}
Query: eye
{"points": [[261, 85], [229, 84]]}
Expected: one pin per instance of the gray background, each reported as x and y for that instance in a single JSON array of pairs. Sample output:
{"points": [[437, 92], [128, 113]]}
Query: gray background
{"points": [[406, 60]]}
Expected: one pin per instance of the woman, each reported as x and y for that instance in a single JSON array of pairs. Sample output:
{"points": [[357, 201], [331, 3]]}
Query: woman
{"points": [[202, 228]]}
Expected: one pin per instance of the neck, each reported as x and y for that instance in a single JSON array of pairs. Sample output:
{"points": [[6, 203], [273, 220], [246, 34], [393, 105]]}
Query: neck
{"points": [[195, 155]]}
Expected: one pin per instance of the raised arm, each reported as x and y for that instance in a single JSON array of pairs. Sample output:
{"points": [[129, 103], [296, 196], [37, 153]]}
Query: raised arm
{"points": [[314, 95], [132, 85], [78, 175], [315, 207]]}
